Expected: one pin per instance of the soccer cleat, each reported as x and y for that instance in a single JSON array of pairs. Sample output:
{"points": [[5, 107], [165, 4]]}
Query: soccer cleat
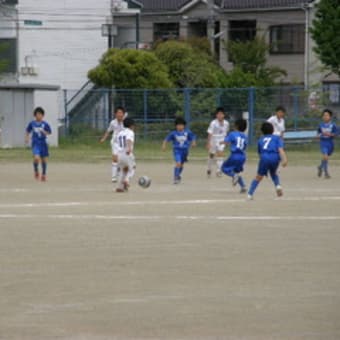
{"points": [[327, 176], [319, 171], [36, 175], [235, 179], [126, 185], [209, 173], [120, 190], [250, 197], [219, 173], [114, 179], [177, 180], [43, 178], [279, 191], [243, 190]]}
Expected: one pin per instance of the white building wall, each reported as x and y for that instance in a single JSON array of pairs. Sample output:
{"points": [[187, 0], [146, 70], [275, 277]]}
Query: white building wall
{"points": [[66, 45]]}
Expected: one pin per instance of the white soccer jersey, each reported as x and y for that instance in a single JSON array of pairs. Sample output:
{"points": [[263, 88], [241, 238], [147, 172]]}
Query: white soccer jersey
{"points": [[122, 140], [278, 124], [115, 127], [218, 129]]}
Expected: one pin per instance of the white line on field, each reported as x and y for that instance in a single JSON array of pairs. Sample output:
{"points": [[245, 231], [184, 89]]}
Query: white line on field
{"points": [[158, 217], [163, 202]]}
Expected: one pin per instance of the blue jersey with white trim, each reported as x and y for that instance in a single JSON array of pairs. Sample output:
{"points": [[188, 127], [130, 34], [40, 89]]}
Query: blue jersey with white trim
{"points": [[181, 139], [36, 129], [270, 145], [325, 128], [238, 142]]}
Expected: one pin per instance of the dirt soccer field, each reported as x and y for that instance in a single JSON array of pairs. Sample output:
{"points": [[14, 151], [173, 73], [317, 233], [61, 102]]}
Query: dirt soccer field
{"points": [[194, 261]]}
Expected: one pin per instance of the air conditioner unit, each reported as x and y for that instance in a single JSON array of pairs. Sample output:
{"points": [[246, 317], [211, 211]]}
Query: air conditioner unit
{"points": [[24, 71], [32, 71]]}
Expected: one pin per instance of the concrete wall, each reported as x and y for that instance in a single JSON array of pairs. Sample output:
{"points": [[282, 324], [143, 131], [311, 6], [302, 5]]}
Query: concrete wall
{"points": [[68, 43], [16, 107]]}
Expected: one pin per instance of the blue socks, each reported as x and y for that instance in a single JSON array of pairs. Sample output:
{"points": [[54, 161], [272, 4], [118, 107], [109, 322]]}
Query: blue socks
{"points": [[177, 172], [324, 165], [241, 182], [275, 179], [36, 167], [44, 167], [253, 187]]}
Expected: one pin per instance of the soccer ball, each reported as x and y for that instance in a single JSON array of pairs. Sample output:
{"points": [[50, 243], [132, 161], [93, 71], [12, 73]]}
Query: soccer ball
{"points": [[144, 181]]}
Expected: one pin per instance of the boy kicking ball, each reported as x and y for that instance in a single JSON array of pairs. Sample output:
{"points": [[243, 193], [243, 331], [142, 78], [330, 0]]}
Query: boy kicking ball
{"points": [[38, 130], [270, 148], [125, 157], [182, 139], [217, 131], [327, 131], [233, 166]]}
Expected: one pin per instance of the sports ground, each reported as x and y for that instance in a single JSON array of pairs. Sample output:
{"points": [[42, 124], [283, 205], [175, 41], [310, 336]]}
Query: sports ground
{"points": [[194, 261]]}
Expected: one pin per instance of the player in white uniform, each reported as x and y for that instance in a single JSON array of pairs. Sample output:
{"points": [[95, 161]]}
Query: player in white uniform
{"points": [[116, 125], [278, 121], [217, 131], [125, 157]]}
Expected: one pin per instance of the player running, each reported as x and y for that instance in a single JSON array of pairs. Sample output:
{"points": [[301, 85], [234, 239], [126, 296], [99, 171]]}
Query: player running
{"points": [[217, 131], [115, 126], [327, 131], [270, 148], [125, 157], [38, 130], [182, 139], [238, 142]]}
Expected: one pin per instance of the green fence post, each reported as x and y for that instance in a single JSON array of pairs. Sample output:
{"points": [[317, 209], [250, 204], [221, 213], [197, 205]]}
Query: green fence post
{"points": [[187, 105], [251, 110]]}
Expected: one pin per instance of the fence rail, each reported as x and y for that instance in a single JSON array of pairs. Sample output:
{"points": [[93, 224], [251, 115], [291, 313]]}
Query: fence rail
{"points": [[154, 110]]}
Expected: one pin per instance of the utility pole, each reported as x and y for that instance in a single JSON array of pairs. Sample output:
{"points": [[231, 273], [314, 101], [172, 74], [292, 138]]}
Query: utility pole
{"points": [[211, 24]]}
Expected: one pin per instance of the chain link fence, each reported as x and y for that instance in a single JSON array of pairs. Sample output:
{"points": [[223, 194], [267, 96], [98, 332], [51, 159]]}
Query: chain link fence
{"points": [[89, 111]]}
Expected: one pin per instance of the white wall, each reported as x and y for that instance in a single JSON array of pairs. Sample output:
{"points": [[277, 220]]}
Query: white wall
{"points": [[68, 43]]}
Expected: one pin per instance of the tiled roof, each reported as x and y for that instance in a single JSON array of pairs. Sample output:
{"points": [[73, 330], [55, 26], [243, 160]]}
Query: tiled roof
{"points": [[252, 4], [175, 5]]}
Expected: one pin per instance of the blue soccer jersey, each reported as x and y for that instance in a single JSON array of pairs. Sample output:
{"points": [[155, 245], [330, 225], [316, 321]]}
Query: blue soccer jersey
{"points": [[325, 129], [269, 145], [238, 142], [181, 140], [36, 128]]}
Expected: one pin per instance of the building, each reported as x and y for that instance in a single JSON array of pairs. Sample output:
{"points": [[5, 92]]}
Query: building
{"points": [[283, 23]]}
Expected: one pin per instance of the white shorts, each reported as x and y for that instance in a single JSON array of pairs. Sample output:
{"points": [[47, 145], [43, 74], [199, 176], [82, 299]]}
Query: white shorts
{"points": [[114, 148], [216, 146], [126, 161]]}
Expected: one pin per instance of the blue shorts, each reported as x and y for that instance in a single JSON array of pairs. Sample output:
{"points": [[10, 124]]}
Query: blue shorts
{"points": [[327, 148], [268, 165], [40, 150], [234, 163], [181, 155]]}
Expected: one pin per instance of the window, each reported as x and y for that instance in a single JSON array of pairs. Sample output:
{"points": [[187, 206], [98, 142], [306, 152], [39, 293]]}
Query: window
{"points": [[242, 30], [166, 31], [8, 55], [287, 39]]}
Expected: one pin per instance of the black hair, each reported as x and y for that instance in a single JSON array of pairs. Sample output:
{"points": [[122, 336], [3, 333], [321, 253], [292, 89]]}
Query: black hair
{"points": [[267, 128], [219, 109], [39, 109], [241, 125], [180, 121], [280, 108], [119, 108], [330, 112], [128, 122]]}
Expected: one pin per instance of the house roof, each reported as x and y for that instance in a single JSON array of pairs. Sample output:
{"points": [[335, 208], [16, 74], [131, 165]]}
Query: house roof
{"points": [[259, 4], [176, 5]]}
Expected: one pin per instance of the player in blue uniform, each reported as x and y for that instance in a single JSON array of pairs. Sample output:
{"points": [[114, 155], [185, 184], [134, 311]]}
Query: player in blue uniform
{"points": [[182, 139], [238, 142], [327, 131], [38, 129], [270, 149]]}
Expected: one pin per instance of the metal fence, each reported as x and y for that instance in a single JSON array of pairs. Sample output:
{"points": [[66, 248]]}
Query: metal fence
{"points": [[88, 111]]}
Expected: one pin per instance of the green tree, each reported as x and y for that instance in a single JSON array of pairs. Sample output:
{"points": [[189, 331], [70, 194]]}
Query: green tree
{"points": [[130, 69], [325, 32], [188, 66], [250, 64]]}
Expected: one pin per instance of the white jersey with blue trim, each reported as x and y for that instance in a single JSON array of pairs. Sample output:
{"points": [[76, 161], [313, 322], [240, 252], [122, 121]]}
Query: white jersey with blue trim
{"points": [[218, 129]]}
